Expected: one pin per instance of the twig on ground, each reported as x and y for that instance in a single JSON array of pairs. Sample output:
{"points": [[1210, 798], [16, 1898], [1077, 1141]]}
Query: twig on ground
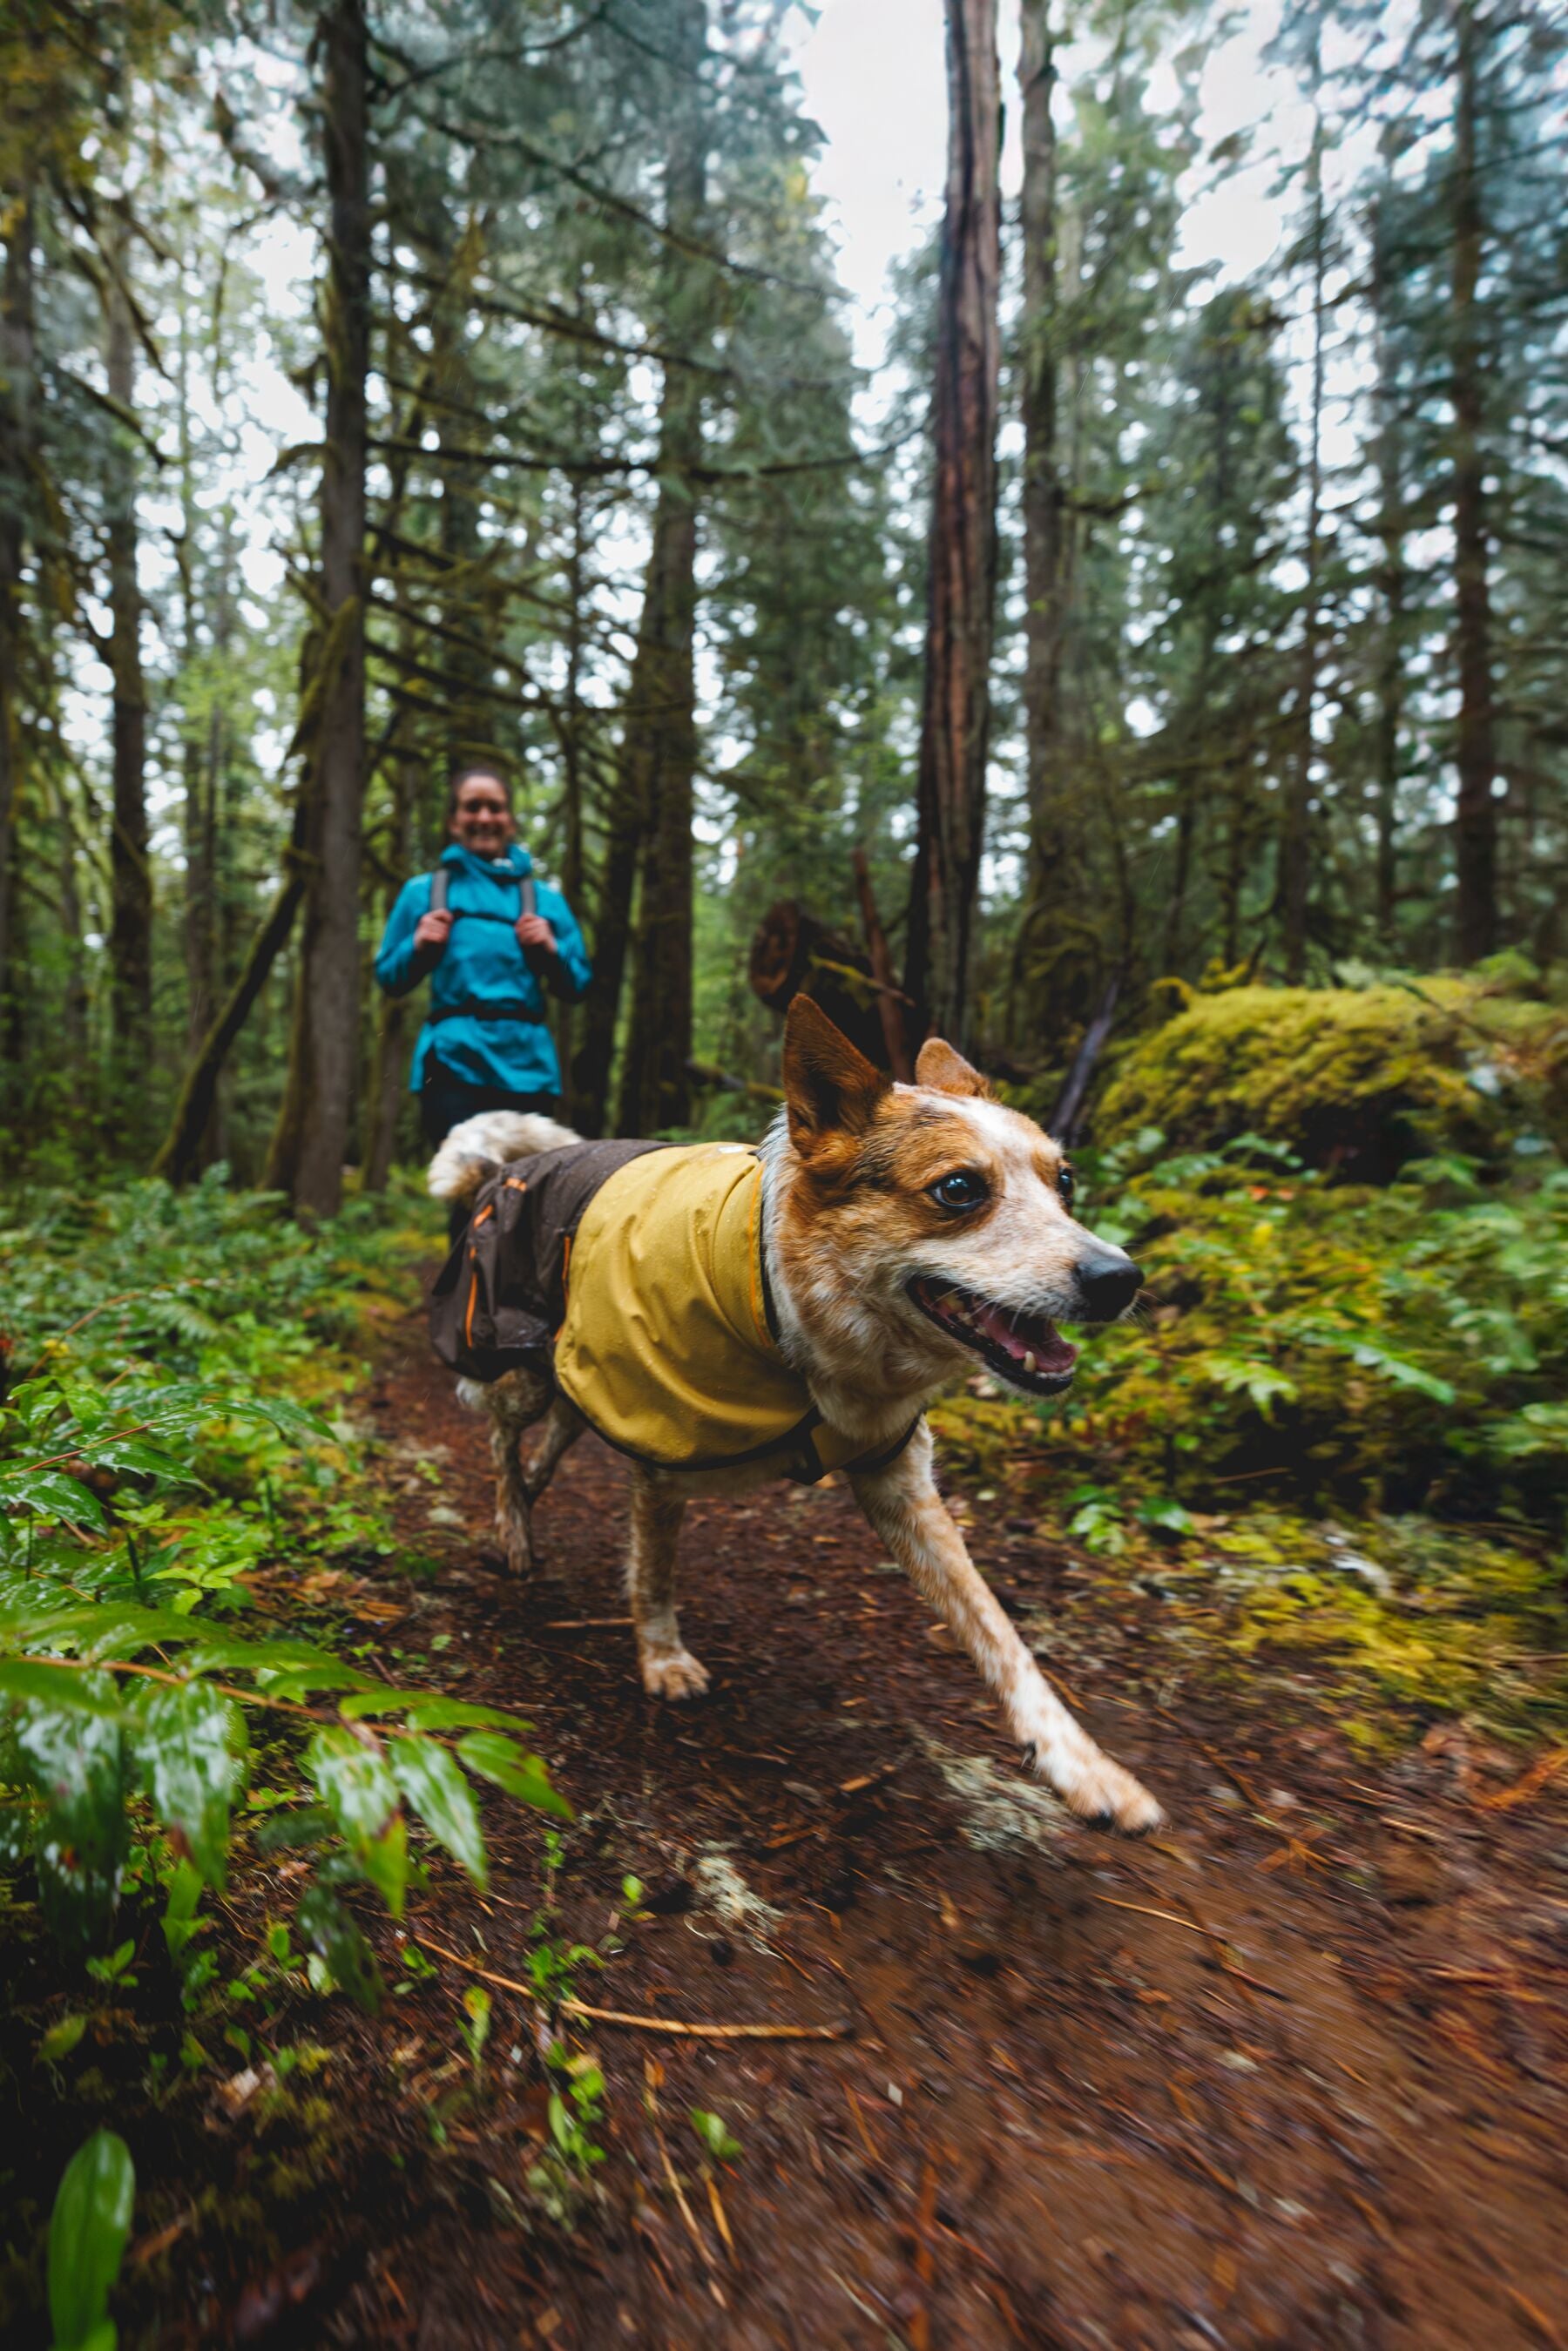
{"points": [[1533, 1781], [667, 2025]]}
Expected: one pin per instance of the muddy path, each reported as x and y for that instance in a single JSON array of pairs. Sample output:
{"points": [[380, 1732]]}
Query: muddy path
{"points": [[1292, 2073]]}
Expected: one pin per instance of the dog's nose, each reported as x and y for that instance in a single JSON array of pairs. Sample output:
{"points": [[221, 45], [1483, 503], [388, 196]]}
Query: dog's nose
{"points": [[1107, 1284]]}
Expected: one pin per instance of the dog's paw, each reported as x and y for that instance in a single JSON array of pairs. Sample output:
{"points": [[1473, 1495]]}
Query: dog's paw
{"points": [[673, 1674], [1101, 1792]]}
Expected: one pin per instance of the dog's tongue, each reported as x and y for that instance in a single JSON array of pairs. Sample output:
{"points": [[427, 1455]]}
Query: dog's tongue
{"points": [[1032, 1336]]}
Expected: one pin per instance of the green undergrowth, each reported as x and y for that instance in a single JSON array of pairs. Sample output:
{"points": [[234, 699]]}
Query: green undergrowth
{"points": [[167, 1452]]}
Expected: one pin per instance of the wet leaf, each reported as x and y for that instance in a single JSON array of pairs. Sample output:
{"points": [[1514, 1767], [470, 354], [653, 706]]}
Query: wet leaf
{"points": [[435, 1786], [88, 2234], [76, 1761], [362, 1795], [341, 1951], [513, 1769], [190, 1746]]}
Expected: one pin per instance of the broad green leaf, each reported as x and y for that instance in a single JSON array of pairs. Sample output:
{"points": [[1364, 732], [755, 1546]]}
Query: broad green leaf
{"points": [[88, 2234], [183, 1406], [359, 1789], [61, 2039], [511, 1767], [179, 1910], [76, 1762], [349, 1962], [51, 1494], [189, 1745], [715, 2135], [455, 1714], [147, 1460], [439, 1793], [67, 1688]]}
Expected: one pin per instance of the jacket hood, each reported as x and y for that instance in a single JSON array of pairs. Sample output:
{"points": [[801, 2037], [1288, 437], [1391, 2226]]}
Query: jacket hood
{"points": [[516, 860]]}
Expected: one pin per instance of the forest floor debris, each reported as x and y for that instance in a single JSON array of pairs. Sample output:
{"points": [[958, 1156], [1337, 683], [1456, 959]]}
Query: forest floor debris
{"points": [[1294, 2072]]}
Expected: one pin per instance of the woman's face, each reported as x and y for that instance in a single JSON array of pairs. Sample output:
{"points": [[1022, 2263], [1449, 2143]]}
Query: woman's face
{"points": [[482, 821]]}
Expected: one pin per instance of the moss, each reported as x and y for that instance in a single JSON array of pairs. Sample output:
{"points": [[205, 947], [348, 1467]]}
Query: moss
{"points": [[1355, 1080]]}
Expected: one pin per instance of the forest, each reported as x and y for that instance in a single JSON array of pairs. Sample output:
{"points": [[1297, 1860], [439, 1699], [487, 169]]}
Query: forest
{"points": [[1147, 670]]}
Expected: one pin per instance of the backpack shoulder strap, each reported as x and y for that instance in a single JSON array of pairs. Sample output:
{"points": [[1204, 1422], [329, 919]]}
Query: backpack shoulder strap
{"points": [[526, 895], [440, 884]]}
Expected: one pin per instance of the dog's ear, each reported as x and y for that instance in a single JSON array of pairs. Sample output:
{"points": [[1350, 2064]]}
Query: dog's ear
{"points": [[947, 1072], [830, 1088]]}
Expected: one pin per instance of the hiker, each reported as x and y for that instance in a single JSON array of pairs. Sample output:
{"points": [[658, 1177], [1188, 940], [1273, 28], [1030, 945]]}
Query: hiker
{"points": [[491, 940]]}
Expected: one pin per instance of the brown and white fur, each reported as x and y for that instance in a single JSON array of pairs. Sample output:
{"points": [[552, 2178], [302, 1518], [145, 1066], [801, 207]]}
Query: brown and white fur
{"points": [[908, 1229]]}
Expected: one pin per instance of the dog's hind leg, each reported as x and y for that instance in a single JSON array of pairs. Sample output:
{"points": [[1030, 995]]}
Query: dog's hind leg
{"points": [[514, 1403], [668, 1667], [563, 1426], [904, 1506]]}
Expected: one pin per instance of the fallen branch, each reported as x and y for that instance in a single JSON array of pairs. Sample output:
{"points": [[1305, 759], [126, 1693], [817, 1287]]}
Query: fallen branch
{"points": [[643, 2023]]}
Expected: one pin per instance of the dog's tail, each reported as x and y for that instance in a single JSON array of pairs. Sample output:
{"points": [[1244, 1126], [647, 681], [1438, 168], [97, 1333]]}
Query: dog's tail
{"points": [[491, 1139]]}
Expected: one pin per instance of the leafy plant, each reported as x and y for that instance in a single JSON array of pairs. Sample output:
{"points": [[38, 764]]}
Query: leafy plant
{"points": [[137, 1712], [715, 2135], [88, 2231]]}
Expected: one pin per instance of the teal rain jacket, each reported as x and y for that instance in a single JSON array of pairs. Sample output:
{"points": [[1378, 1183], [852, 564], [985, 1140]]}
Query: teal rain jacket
{"points": [[482, 963]]}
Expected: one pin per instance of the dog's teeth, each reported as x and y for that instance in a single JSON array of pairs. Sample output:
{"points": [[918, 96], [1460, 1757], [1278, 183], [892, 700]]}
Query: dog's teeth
{"points": [[1028, 1362]]}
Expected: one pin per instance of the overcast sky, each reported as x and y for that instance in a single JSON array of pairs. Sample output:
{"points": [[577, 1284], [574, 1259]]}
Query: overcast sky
{"points": [[875, 79]]}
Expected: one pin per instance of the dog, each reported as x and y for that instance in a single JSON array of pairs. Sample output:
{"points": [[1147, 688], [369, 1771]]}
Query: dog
{"points": [[905, 1234]]}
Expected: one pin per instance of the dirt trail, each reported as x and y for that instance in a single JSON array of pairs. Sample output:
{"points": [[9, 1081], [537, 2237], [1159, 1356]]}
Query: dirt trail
{"points": [[1291, 2074]]}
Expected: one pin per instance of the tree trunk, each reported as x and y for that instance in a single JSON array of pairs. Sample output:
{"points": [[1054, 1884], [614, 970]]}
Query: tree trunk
{"points": [[961, 592], [389, 1085], [180, 1156], [312, 1136], [1475, 818], [1051, 862], [566, 1021], [202, 748], [74, 1004], [469, 719], [651, 813], [655, 1088], [1295, 832], [131, 873], [1391, 530], [16, 495]]}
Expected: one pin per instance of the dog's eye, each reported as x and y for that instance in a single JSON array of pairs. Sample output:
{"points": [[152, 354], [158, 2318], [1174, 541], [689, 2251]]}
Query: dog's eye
{"points": [[1064, 1185], [962, 1189]]}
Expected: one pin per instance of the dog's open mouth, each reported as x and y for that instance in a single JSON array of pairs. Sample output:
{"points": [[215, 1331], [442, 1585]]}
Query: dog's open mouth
{"points": [[1026, 1349]]}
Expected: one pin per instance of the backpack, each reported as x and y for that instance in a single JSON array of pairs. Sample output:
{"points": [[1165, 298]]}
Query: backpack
{"points": [[471, 1009]]}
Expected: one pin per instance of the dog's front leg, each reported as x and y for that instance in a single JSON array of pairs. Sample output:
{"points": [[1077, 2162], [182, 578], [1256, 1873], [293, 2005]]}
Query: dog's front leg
{"points": [[668, 1667], [904, 1506]]}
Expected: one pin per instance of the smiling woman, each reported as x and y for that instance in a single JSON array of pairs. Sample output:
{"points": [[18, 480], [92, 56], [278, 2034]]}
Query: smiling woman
{"points": [[492, 941]]}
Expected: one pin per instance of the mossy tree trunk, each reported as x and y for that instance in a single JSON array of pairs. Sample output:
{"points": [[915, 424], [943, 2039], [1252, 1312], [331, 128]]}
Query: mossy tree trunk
{"points": [[312, 1135], [961, 591], [131, 873], [1475, 749], [16, 360]]}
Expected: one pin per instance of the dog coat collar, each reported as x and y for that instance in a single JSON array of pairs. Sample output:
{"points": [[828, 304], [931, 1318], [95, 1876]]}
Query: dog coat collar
{"points": [[666, 1348]]}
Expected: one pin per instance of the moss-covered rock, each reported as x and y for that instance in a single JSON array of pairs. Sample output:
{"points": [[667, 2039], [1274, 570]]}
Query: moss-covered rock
{"points": [[1357, 1081]]}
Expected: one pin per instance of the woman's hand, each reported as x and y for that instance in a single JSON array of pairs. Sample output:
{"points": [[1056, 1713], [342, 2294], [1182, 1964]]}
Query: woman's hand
{"points": [[433, 930], [534, 932]]}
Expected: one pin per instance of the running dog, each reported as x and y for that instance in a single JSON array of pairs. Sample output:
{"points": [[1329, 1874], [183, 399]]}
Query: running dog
{"points": [[726, 1316]]}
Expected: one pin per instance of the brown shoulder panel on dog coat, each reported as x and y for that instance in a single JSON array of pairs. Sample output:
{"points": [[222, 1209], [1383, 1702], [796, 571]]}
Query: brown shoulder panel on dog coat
{"points": [[500, 1298]]}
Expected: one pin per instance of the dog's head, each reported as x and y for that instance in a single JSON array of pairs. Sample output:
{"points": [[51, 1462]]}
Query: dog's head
{"points": [[950, 1214]]}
